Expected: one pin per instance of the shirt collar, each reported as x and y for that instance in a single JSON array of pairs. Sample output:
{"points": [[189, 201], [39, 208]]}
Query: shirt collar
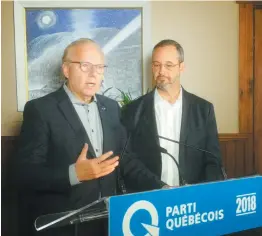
{"points": [[74, 99], [159, 100]]}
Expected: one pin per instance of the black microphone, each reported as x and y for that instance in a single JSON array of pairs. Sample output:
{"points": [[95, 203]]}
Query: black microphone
{"points": [[120, 180], [121, 184], [196, 148], [181, 176]]}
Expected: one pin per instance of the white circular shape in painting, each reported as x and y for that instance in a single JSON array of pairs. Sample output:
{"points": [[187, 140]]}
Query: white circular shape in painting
{"points": [[46, 19]]}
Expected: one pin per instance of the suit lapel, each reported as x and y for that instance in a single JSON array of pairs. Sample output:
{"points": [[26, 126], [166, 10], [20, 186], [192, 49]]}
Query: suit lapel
{"points": [[149, 118], [103, 112], [70, 114], [186, 110]]}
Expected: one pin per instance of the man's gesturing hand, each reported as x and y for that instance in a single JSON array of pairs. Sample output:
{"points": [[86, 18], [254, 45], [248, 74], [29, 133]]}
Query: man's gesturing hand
{"points": [[88, 169]]}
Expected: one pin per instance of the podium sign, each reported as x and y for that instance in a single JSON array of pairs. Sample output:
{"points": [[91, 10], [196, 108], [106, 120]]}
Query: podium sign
{"points": [[215, 208]]}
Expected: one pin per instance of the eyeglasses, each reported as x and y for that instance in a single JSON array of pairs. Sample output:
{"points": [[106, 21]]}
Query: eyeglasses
{"points": [[87, 66], [168, 66]]}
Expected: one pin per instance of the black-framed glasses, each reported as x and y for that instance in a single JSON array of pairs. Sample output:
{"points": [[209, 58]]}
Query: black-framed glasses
{"points": [[168, 66], [87, 66]]}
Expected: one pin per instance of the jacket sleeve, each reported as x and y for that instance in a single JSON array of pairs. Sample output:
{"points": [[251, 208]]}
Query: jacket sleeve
{"points": [[136, 175], [213, 163], [32, 168]]}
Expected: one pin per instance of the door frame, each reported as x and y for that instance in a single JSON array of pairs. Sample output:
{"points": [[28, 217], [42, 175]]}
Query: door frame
{"points": [[246, 70]]}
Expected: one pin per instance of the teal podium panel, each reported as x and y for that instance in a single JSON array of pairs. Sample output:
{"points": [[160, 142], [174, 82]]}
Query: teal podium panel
{"points": [[215, 208]]}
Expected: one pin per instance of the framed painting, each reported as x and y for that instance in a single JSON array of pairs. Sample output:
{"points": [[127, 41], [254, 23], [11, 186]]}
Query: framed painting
{"points": [[44, 29]]}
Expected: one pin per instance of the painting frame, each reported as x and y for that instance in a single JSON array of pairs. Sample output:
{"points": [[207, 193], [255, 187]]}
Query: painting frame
{"points": [[21, 45]]}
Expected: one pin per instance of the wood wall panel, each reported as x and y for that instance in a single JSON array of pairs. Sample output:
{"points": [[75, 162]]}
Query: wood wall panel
{"points": [[9, 198], [237, 154], [245, 68], [258, 90]]}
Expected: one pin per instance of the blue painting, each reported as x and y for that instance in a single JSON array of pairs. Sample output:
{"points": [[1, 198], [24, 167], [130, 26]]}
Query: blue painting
{"points": [[117, 31]]}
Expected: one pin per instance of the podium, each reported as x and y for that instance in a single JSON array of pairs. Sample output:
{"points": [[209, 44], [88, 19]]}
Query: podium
{"points": [[214, 208]]}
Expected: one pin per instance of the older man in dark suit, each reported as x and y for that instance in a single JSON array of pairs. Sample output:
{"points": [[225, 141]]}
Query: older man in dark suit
{"points": [[67, 142]]}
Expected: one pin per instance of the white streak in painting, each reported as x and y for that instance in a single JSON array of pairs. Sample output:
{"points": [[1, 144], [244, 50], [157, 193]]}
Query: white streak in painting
{"points": [[129, 29]]}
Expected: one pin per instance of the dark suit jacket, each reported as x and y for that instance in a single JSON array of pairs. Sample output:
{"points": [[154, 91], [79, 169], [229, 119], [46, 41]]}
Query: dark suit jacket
{"points": [[52, 137], [198, 128]]}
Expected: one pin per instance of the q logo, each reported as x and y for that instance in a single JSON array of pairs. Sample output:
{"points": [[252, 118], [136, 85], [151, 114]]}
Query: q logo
{"points": [[153, 229]]}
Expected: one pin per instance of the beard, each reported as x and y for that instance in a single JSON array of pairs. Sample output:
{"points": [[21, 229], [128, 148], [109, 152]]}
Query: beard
{"points": [[164, 82]]}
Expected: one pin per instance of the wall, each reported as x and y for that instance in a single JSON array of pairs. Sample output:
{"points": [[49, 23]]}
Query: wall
{"points": [[208, 31], [11, 119]]}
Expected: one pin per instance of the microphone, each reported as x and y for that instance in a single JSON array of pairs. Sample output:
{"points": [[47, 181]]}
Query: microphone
{"points": [[196, 148], [120, 180], [121, 184], [181, 178]]}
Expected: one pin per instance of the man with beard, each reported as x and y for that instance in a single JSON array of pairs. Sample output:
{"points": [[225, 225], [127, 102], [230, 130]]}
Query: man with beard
{"points": [[170, 111]]}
